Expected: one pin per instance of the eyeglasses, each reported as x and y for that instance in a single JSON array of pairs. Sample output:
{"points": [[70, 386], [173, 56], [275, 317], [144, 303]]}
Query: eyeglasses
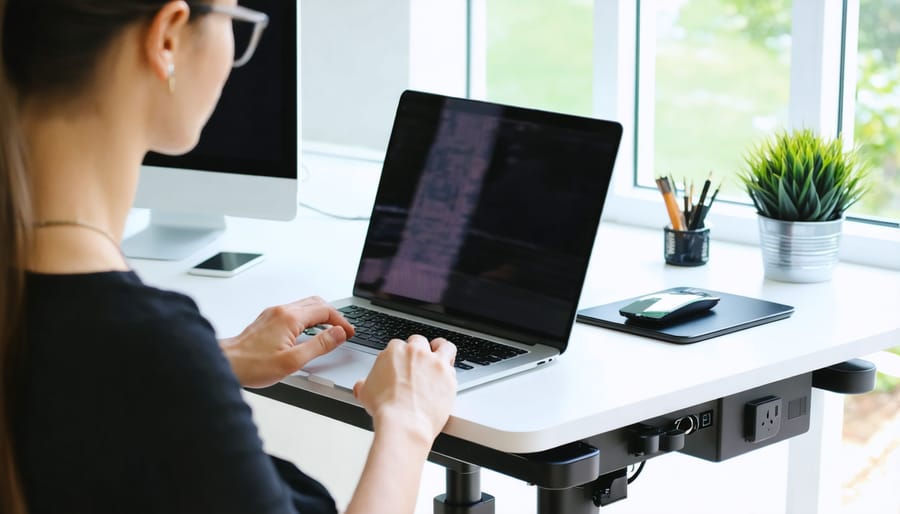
{"points": [[245, 43]]}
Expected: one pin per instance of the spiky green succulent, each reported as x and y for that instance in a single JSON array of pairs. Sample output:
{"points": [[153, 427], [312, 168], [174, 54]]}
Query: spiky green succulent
{"points": [[799, 176]]}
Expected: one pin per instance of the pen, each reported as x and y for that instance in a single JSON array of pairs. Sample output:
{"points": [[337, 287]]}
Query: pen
{"points": [[695, 218], [706, 207], [713, 199]]}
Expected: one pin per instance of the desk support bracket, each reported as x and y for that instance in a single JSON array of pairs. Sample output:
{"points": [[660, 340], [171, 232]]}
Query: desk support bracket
{"points": [[585, 499], [566, 477], [577, 500], [855, 376], [464, 494]]}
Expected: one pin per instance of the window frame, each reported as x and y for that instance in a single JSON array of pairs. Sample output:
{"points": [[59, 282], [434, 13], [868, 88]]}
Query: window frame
{"points": [[817, 100], [824, 37]]}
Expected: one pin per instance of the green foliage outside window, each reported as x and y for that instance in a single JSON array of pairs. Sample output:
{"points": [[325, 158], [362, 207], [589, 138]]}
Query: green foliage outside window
{"points": [[877, 124], [721, 86]]}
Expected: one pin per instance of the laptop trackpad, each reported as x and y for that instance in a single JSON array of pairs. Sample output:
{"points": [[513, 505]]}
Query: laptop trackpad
{"points": [[342, 367]]}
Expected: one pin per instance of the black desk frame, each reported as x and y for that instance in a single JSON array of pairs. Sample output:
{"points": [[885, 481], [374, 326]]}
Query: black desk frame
{"points": [[579, 477]]}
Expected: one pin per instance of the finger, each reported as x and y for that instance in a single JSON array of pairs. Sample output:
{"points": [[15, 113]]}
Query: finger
{"points": [[419, 341], [309, 313], [445, 348], [392, 345], [358, 388], [338, 319], [322, 343], [331, 315]]}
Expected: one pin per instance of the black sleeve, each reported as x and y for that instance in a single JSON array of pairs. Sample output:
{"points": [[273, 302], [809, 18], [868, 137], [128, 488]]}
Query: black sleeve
{"points": [[307, 495], [209, 455]]}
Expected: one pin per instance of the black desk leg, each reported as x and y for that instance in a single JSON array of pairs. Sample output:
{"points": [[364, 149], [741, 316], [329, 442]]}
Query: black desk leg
{"points": [[464, 494], [576, 500]]}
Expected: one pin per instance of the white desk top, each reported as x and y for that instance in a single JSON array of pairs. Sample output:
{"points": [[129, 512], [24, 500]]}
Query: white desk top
{"points": [[606, 379]]}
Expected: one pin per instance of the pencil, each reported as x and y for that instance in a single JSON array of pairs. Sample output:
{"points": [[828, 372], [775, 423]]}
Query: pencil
{"points": [[671, 203], [691, 196]]}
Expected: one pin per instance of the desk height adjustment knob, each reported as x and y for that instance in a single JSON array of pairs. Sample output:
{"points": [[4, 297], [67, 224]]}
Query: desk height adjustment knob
{"points": [[671, 440], [645, 440]]}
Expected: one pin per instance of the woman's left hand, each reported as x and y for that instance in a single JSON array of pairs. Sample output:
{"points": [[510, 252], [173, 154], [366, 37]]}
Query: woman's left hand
{"points": [[267, 350]]}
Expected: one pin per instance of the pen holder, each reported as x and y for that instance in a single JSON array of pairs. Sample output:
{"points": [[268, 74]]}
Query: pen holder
{"points": [[686, 247]]}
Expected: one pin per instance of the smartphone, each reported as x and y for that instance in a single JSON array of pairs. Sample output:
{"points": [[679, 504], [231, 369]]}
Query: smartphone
{"points": [[226, 264]]}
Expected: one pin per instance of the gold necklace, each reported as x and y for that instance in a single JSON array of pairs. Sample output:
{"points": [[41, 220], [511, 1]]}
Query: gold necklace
{"points": [[82, 224]]}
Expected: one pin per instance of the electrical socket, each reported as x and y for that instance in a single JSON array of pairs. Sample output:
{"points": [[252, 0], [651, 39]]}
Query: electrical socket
{"points": [[762, 418]]}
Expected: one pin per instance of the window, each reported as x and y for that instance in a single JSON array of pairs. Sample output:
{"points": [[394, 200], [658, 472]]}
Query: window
{"points": [[539, 54], [877, 120], [694, 82], [722, 83]]}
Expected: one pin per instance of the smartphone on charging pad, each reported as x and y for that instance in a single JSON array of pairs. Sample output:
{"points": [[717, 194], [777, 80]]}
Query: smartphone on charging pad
{"points": [[226, 264]]}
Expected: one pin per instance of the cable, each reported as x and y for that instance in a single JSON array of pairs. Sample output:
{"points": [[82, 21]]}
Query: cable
{"points": [[305, 174], [633, 477], [333, 215]]}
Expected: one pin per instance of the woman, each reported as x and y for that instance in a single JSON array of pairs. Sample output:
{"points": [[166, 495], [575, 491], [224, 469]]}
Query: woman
{"points": [[117, 397]]}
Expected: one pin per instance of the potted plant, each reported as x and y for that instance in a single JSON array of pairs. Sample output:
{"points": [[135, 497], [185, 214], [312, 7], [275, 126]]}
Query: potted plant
{"points": [[801, 185]]}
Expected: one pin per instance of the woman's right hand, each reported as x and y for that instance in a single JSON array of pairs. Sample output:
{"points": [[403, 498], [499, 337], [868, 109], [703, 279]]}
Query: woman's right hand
{"points": [[412, 386]]}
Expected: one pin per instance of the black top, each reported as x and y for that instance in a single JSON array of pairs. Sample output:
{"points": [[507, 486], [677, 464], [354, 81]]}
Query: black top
{"points": [[127, 404]]}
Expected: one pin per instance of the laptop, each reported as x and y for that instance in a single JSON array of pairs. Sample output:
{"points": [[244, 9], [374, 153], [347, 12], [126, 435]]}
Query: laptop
{"points": [[481, 232]]}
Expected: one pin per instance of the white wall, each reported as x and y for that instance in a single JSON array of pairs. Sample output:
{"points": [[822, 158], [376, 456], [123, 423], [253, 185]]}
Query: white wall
{"points": [[357, 56]]}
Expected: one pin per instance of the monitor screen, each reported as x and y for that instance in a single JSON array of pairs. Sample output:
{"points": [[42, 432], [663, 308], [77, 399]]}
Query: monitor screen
{"points": [[246, 161], [253, 130]]}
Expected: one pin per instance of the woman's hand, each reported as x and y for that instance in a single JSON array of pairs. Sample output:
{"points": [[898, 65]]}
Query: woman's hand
{"points": [[411, 387], [409, 394], [267, 351]]}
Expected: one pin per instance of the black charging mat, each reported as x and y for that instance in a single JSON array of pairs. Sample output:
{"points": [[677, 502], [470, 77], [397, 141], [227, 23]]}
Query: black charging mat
{"points": [[732, 313]]}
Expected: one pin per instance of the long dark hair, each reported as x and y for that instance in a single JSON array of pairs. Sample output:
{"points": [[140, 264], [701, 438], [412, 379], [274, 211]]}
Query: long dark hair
{"points": [[48, 49], [14, 237]]}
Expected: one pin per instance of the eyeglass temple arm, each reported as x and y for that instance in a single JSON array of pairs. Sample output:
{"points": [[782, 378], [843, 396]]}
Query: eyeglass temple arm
{"points": [[254, 41]]}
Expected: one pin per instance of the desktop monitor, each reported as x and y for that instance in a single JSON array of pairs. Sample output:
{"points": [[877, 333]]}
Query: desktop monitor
{"points": [[246, 161]]}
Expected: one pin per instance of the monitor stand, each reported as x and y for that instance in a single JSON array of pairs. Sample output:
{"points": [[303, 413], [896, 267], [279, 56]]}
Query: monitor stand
{"points": [[172, 236]]}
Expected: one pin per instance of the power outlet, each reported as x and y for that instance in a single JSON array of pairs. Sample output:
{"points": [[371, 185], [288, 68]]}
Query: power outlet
{"points": [[762, 418]]}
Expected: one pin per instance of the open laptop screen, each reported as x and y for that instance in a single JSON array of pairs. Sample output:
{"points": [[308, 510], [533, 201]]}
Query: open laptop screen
{"points": [[486, 214]]}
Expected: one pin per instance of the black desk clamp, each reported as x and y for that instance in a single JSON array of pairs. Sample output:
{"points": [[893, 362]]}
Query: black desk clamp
{"points": [[855, 376]]}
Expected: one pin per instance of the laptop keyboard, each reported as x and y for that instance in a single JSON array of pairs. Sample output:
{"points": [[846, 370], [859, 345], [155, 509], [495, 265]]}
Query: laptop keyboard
{"points": [[374, 329]]}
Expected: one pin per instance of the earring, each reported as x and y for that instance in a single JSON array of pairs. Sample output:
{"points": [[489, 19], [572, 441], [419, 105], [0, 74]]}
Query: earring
{"points": [[171, 77]]}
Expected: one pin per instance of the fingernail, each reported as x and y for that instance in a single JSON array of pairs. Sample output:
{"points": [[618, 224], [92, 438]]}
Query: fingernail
{"points": [[336, 334]]}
